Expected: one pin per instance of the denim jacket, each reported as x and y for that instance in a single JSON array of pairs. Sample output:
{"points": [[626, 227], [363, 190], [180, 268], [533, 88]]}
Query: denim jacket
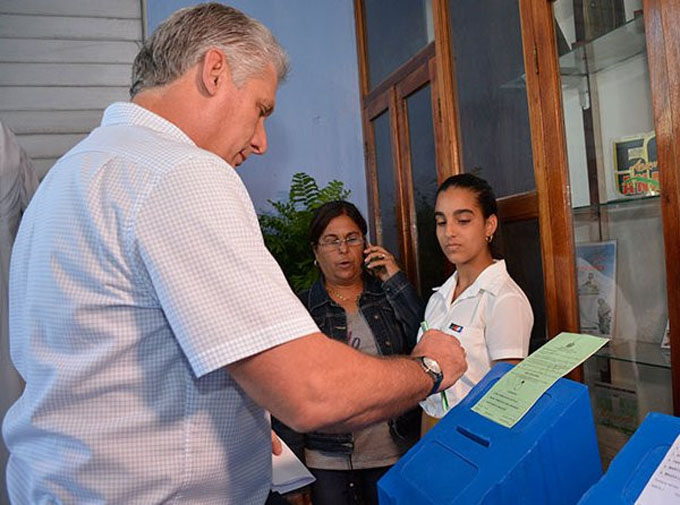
{"points": [[393, 310]]}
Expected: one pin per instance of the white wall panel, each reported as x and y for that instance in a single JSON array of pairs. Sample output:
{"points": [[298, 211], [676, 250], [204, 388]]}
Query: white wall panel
{"points": [[49, 146], [65, 74], [92, 8], [71, 98], [67, 51], [62, 27], [61, 63], [23, 122]]}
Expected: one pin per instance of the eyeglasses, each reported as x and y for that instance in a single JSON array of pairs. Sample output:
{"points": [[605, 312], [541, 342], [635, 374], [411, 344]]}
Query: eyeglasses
{"points": [[332, 241]]}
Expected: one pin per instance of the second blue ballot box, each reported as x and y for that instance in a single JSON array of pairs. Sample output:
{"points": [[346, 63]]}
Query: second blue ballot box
{"points": [[550, 457], [633, 466]]}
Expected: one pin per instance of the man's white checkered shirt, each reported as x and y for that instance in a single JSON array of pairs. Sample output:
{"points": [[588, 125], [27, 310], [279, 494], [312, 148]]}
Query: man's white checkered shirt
{"points": [[139, 271]]}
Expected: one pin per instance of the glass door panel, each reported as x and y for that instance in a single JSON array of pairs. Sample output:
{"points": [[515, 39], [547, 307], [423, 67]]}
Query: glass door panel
{"points": [[492, 99], [395, 31], [431, 262], [387, 223], [614, 184]]}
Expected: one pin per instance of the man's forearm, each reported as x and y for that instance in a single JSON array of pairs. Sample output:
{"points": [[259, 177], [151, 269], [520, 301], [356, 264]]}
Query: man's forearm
{"points": [[316, 383], [380, 388]]}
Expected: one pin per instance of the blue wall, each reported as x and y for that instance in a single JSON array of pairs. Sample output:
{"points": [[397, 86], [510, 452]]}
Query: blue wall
{"points": [[316, 127]]}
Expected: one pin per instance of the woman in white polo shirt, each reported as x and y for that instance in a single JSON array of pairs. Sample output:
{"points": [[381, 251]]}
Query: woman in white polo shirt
{"points": [[479, 304]]}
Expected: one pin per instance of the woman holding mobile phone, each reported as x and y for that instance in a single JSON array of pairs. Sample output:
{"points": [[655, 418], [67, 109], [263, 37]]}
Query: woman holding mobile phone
{"points": [[363, 299]]}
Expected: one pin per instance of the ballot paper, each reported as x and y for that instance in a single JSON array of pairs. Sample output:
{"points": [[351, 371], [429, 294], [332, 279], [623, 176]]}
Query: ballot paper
{"points": [[517, 391], [664, 486], [288, 472]]}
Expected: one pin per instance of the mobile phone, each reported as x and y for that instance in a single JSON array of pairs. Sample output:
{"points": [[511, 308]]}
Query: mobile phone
{"points": [[373, 270]]}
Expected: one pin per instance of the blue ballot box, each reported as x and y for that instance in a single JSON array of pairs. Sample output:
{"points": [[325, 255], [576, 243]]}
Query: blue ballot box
{"points": [[632, 467], [550, 457]]}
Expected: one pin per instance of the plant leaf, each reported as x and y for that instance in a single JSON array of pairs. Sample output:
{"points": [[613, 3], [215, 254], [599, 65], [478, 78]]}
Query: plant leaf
{"points": [[286, 230]]}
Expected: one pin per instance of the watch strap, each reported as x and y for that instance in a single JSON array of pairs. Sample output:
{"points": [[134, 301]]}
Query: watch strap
{"points": [[436, 377]]}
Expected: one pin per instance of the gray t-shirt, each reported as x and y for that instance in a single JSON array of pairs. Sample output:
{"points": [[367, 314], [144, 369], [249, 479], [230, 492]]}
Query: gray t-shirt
{"points": [[373, 446]]}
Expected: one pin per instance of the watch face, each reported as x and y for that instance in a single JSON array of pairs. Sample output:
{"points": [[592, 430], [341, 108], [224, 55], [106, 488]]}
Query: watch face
{"points": [[432, 365]]}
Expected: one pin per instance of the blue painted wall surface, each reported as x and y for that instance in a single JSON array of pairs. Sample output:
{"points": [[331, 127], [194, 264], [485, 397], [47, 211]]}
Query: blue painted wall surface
{"points": [[316, 127]]}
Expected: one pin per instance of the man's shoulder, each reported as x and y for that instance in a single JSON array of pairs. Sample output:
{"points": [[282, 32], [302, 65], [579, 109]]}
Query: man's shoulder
{"points": [[145, 146]]}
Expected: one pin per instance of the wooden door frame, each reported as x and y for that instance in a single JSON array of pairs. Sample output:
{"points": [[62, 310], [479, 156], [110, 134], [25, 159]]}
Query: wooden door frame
{"points": [[549, 149], [390, 96], [420, 77], [446, 95], [663, 54]]}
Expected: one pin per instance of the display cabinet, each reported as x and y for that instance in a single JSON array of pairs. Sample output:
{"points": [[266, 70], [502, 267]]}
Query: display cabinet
{"points": [[602, 85]]}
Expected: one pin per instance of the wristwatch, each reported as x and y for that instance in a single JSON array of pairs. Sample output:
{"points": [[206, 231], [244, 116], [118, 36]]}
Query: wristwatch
{"points": [[431, 368]]}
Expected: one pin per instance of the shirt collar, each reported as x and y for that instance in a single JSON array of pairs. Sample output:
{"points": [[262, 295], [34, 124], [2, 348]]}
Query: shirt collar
{"points": [[131, 114], [491, 279]]}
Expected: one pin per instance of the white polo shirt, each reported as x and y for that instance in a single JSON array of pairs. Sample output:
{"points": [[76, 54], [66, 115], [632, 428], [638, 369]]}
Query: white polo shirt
{"points": [[492, 319]]}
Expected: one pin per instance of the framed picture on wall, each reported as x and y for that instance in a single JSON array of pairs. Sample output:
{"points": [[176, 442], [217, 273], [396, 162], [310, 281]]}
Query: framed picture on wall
{"points": [[596, 284], [636, 169]]}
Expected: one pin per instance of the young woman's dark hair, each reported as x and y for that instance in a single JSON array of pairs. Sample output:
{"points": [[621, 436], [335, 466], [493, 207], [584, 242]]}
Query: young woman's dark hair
{"points": [[329, 211], [485, 196]]}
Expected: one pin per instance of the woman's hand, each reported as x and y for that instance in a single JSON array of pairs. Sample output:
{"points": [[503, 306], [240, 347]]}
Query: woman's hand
{"points": [[379, 261]]}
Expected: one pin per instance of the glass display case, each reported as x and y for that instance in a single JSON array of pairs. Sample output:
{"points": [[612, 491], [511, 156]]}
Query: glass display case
{"points": [[617, 221]]}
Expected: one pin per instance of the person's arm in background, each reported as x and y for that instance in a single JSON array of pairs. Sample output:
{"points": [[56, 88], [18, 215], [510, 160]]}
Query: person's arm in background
{"points": [[401, 295], [408, 306], [14, 160], [314, 382]]}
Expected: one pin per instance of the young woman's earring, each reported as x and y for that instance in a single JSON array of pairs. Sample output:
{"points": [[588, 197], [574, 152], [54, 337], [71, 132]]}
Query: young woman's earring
{"points": [[316, 263], [489, 238]]}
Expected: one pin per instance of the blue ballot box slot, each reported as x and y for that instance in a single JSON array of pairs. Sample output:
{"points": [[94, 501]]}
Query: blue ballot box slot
{"points": [[473, 436], [635, 463], [550, 457]]}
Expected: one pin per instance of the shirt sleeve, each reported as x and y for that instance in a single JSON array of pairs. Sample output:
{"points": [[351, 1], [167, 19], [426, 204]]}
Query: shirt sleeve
{"points": [[508, 327], [222, 292]]}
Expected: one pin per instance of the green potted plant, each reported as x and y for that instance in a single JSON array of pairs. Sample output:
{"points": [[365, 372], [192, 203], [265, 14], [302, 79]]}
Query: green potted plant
{"points": [[286, 230]]}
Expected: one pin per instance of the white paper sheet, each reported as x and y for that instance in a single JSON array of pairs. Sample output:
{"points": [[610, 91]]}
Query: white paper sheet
{"points": [[664, 486], [288, 472]]}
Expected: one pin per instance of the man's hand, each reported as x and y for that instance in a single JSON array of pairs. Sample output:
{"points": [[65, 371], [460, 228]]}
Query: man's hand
{"points": [[446, 350]]}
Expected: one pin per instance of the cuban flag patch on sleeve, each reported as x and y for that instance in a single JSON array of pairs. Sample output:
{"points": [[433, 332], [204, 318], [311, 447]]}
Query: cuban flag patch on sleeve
{"points": [[455, 327]]}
